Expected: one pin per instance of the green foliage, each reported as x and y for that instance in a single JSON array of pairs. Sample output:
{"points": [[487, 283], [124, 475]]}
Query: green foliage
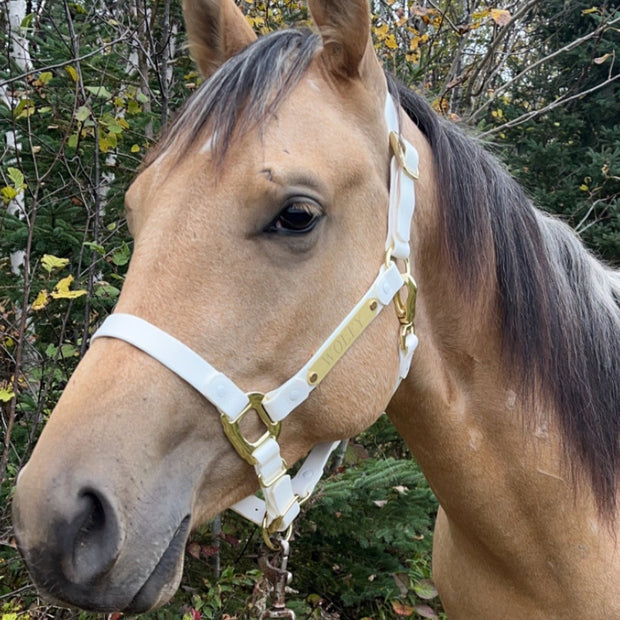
{"points": [[378, 517]]}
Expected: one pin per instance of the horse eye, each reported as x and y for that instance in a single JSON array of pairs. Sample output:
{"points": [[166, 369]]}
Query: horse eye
{"points": [[298, 217]]}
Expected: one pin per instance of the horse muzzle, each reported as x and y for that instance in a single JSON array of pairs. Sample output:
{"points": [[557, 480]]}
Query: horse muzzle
{"points": [[82, 552]]}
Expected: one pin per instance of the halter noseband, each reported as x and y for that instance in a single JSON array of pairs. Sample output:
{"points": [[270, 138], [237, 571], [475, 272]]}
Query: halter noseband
{"points": [[283, 495]]}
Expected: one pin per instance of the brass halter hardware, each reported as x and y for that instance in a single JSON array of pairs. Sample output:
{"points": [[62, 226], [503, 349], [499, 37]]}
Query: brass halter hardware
{"points": [[243, 446], [398, 150], [405, 309], [272, 538]]}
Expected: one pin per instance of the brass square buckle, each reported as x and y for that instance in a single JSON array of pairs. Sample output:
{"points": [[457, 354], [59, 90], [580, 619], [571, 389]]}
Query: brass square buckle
{"points": [[243, 446]]}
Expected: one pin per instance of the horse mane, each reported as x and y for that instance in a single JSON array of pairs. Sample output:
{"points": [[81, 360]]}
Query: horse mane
{"points": [[559, 307], [241, 94]]}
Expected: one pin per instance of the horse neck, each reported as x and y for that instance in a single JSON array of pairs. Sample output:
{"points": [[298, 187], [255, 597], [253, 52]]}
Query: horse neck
{"points": [[448, 406]]}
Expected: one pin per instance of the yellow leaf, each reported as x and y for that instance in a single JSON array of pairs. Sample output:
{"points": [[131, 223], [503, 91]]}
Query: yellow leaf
{"points": [[381, 31], [500, 16], [6, 394], [51, 262], [583, 187], [390, 41], [478, 15], [41, 301], [61, 290], [135, 148], [7, 193], [72, 73], [593, 9], [105, 144]]}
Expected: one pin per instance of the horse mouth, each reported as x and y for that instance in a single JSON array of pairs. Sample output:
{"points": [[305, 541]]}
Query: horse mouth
{"points": [[161, 583]]}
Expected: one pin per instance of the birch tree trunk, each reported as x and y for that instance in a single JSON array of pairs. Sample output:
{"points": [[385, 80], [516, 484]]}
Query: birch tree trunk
{"points": [[19, 56]]}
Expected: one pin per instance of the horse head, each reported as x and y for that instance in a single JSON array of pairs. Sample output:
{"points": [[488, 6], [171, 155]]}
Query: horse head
{"points": [[259, 224]]}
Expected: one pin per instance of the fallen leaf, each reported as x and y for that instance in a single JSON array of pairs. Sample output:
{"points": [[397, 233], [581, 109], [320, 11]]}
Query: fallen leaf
{"points": [[401, 609], [425, 611], [193, 549], [6, 394], [402, 582], [50, 262], [425, 589]]}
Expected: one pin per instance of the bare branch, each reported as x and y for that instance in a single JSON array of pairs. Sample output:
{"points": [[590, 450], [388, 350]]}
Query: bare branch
{"points": [[554, 104], [576, 43], [501, 35]]}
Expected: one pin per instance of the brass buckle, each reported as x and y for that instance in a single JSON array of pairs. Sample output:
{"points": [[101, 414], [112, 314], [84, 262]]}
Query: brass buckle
{"points": [[270, 530], [405, 310], [243, 446], [399, 152]]}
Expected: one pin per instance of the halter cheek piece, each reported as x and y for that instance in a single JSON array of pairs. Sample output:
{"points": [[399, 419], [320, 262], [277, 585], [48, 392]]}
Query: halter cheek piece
{"points": [[283, 495]]}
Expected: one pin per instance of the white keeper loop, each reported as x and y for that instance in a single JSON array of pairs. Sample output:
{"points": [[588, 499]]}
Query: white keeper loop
{"points": [[411, 343]]}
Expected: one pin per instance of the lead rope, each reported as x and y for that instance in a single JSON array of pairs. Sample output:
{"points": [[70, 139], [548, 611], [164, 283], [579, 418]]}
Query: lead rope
{"points": [[282, 494]]}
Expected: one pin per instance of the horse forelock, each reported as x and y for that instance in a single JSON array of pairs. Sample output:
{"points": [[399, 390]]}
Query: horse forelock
{"points": [[241, 94], [559, 306]]}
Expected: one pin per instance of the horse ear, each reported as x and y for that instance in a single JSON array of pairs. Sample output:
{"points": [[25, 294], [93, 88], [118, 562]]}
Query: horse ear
{"points": [[345, 29], [216, 30]]}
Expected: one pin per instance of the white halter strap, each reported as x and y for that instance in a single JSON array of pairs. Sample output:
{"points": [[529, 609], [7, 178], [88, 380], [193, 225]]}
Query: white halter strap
{"points": [[283, 494]]}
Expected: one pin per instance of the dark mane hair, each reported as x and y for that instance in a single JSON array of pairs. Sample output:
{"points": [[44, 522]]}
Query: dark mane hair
{"points": [[558, 305]]}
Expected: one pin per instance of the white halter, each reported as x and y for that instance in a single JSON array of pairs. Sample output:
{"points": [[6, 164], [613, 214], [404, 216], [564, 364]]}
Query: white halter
{"points": [[282, 494]]}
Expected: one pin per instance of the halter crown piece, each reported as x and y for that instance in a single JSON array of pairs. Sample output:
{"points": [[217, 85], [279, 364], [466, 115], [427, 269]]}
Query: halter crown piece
{"points": [[282, 494]]}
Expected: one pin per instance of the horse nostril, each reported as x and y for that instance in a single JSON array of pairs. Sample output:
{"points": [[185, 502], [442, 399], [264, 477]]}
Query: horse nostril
{"points": [[95, 519], [92, 540]]}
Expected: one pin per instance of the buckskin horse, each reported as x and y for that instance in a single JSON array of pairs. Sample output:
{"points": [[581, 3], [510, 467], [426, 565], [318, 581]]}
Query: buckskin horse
{"points": [[256, 324]]}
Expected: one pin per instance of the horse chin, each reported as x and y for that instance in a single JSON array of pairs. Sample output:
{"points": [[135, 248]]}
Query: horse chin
{"points": [[163, 582]]}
